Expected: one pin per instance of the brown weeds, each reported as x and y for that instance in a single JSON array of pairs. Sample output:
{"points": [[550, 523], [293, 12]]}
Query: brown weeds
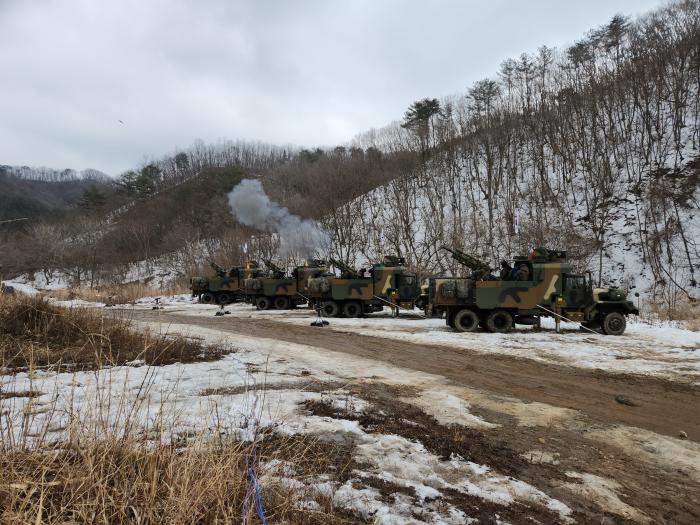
{"points": [[126, 293], [34, 333]]}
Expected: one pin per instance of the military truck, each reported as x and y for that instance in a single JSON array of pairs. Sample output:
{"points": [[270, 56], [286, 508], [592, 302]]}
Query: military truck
{"points": [[546, 287], [276, 290], [354, 293], [227, 287]]}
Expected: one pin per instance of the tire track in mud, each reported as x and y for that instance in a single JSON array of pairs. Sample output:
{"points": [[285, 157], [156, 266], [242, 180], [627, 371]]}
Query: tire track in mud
{"points": [[658, 405]]}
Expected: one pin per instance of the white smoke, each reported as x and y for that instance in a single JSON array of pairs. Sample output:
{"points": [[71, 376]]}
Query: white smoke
{"points": [[251, 206]]}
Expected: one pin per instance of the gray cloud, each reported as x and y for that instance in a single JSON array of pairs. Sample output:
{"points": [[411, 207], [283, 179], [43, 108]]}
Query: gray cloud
{"points": [[305, 72]]}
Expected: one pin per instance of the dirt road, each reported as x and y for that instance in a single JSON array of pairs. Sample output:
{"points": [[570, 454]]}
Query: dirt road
{"points": [[657, 405], [627, 474]]}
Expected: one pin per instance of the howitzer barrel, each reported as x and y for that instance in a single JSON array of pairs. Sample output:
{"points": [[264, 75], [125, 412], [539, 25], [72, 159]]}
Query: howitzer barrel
{"points": [[467, 260], [344, 268], [272, 266], [276, 271], [218, 269]]}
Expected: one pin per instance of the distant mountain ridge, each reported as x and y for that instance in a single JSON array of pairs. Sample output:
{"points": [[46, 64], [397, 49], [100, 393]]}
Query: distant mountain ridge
{"points": [[51, 174]]}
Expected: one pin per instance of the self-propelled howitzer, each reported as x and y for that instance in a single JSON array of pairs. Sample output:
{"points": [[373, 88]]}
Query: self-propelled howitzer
{"points": [[353, 294], [544, 287], [226, 287], [279, 291]]}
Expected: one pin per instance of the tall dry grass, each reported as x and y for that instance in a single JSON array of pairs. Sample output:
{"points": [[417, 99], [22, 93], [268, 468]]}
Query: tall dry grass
{"points": [[35, 333], [99, 455], [126, 293], [683, 311]]}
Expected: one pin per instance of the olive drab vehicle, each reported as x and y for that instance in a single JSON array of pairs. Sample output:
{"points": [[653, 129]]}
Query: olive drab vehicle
{"points": [[281, 292], [356, 293], [227, 287], [539, 285]]}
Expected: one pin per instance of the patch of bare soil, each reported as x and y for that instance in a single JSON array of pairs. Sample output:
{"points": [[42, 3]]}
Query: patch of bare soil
{"points": [[662, 496], [24, 393], [409, 422], [302, 386]]}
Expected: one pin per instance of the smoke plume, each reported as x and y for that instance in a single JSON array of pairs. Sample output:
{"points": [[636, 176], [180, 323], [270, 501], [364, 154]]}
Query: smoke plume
{"points": [[251, 206]]}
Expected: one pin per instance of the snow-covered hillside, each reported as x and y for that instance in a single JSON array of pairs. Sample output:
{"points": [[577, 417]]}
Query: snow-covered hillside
{"points": [[594, 149]]}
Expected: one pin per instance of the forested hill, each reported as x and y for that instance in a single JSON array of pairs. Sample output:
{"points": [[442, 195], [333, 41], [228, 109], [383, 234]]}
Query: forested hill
{"points": [[591, 148], [39, 193]]}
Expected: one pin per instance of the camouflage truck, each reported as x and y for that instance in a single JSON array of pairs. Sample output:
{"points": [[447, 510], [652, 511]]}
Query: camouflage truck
{"points": [[542, 286], [276, 290], [227, 287], [356, 293]]}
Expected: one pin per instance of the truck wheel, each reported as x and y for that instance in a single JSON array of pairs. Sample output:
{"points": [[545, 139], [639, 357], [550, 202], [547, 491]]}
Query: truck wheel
{"points": [[352, 309], [207, 298], [281, 302], [330, 309], [499, 321], [223, 298], [614, 323], [263, 303], [466, 321]]}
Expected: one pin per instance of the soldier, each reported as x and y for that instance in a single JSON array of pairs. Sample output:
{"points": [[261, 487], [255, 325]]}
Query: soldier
{"points": [[506, 270], [523, 273]]}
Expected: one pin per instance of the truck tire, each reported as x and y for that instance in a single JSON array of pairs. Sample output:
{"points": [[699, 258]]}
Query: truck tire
{"points": [[352, 309], [330, 309], [499, 321], [207, 298], [223, 298], [281, 302], [614, 323], [263, 303], [466, 321]]}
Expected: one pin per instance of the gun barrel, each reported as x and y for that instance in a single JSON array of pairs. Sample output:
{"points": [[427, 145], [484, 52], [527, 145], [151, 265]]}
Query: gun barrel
{"points": [[344, 268], [467, 260], [218, 269]]}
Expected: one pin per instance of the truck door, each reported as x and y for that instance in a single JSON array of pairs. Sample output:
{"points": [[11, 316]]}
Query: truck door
{"points": [[407, 285], [575, 291]]}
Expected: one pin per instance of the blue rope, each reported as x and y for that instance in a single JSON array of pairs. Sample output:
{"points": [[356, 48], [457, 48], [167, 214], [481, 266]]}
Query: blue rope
{"points": [[258, 502]]}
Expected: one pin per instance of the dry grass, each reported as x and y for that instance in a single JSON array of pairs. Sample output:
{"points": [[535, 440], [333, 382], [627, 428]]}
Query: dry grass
{"points": [[688, 313], [117, 481], [102, 457], [693, 324], [117, 294], [34, 333]]}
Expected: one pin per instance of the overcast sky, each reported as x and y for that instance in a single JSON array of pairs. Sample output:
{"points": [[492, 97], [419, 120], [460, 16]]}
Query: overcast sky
{"points": [[307, 72]]}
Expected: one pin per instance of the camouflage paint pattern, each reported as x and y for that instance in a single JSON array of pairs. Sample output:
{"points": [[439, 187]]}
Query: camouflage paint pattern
{"points": [[545, 287], [486, 295], [292, 287], [233, 282], [384, 282]]}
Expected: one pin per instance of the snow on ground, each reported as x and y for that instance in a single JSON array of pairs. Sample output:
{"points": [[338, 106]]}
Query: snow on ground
{"points": [[39, 281], [261, 384], [662, 349], [21, 286]]}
